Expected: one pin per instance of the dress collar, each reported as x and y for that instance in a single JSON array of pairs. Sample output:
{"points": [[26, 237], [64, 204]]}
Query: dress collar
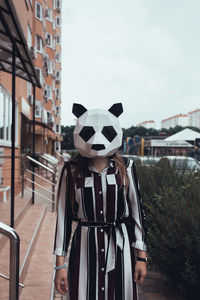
{"points": [[111, 164]]}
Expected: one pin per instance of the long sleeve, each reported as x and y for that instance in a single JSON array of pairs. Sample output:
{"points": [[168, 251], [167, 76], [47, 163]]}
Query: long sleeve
{"points": [[64, 217], [137, 212]]}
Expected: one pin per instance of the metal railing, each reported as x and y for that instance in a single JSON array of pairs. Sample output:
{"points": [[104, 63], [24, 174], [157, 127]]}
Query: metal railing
{"points": [[14, 260], [50, 168]]}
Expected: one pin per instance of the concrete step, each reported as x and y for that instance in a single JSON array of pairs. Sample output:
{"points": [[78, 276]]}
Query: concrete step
{"points": [[38, 281], [28, 230]]}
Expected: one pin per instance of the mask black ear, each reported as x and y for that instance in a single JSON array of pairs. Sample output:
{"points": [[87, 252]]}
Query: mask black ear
{"points": [[78, 109], [116, 109]]}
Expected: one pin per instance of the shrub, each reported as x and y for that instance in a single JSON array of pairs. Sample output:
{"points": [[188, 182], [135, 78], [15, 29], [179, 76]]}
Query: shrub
{"points": [[171, 200]]}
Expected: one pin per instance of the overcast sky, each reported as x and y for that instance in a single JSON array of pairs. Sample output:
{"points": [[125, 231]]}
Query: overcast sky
{"points": [[143, 53]]}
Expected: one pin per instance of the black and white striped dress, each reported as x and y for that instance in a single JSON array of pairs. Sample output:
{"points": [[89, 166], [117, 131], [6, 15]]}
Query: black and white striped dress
{"points": [[101, 263]]}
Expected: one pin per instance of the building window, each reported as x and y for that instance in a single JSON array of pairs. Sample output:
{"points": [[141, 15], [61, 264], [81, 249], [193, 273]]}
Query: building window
{"points": [[54, 44], [49, 91], [57, 74], [6, 118], [49, 117], [38, 10], [58, 4], [57, 39], [39, 43], [29, 36], [57, 128], [57, 111], [47, 65], [54, 24], [58, 21], [38, 109], [57, 57], [57, 146], [29, 89], [49, 39], [39, 74], [49, 14], [57, 93]]}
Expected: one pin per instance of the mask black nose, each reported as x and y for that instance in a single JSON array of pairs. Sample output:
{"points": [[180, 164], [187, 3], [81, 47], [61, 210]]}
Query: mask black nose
{"points": [[98, 147]]}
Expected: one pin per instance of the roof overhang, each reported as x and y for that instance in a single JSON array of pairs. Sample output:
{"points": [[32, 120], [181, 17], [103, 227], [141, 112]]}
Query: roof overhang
{"points": [[12, 38]]}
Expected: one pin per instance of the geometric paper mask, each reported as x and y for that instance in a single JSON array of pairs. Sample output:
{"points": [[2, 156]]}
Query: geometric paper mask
{"points": [[97, 131]]}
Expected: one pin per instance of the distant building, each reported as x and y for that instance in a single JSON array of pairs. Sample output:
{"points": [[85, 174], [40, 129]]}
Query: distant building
{"points": [[177, 120], [147, 124], [194, 118]]}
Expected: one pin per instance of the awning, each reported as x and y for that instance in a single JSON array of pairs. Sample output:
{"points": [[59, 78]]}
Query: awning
{"points": [[12, 36]]}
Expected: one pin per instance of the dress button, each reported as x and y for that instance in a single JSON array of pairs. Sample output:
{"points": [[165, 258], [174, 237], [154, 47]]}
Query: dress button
{"points": [[100, 192], [101, 212], [102, 288], [102, 250], [102, 269], [101, 230]]}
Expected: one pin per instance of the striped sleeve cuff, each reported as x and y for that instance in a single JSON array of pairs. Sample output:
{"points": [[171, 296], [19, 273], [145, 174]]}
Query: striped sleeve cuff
{"points": [[139, 245], [60, 252]]}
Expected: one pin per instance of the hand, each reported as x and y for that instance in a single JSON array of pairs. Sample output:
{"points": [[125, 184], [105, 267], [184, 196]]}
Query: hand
{"points": [[60, 281], [140, 271]]}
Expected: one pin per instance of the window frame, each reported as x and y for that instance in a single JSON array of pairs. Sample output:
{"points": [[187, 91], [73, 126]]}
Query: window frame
{"points": [[41, 11], [40, 75], [51, 40], [58, 18], [58, 60], [37, 36], [57, 36], [57, 131], [51, 14], [7, 119]]}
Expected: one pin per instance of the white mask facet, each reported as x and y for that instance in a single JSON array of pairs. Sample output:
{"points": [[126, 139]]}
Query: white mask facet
{"points": [[97, 131]]}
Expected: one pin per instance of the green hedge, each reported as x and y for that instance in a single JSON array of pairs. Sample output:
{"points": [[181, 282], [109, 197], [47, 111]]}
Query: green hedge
{"points": [[171, 200]]}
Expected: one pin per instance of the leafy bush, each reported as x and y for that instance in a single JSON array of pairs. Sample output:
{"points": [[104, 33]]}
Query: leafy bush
{"points": [[171, 200]]}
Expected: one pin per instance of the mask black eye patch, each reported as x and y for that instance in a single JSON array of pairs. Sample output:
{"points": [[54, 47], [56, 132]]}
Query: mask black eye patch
{"points": [[109, 132], [87, 132]]}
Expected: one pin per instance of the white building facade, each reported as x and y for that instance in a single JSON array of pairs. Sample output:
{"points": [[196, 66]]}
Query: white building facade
{"points": [[194, 118], [177, 120], [147, 124]]}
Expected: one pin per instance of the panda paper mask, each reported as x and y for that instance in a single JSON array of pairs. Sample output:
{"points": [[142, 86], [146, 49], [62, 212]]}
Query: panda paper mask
{"points": [[97, 131]]}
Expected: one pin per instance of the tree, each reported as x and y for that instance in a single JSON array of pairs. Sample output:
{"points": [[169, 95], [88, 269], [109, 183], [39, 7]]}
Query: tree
{"points": [[67, 133]]}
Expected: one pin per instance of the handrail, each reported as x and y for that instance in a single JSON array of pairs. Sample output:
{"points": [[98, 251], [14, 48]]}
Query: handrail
{"points": [[48, 159], [14, 260], [40, 177], [7, 278], [59, 154], [40, 164]]}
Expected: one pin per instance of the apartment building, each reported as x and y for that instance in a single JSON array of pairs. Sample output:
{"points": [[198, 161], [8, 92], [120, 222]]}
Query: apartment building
{"points": [[194, 118], [177, 120], [147, 124], [40, 22], [46, 53]]}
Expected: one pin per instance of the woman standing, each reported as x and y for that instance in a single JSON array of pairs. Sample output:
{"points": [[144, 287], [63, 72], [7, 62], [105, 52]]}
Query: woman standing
{"points": [[100, 190]]}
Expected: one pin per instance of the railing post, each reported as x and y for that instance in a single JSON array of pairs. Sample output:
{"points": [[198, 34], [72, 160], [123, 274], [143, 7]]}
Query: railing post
{"points": [[14, 260], [53, 189], [22, 173], [14, 269]]}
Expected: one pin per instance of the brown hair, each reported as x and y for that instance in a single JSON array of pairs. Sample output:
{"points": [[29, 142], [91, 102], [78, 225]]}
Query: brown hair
{"points": [[79, 163]]}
